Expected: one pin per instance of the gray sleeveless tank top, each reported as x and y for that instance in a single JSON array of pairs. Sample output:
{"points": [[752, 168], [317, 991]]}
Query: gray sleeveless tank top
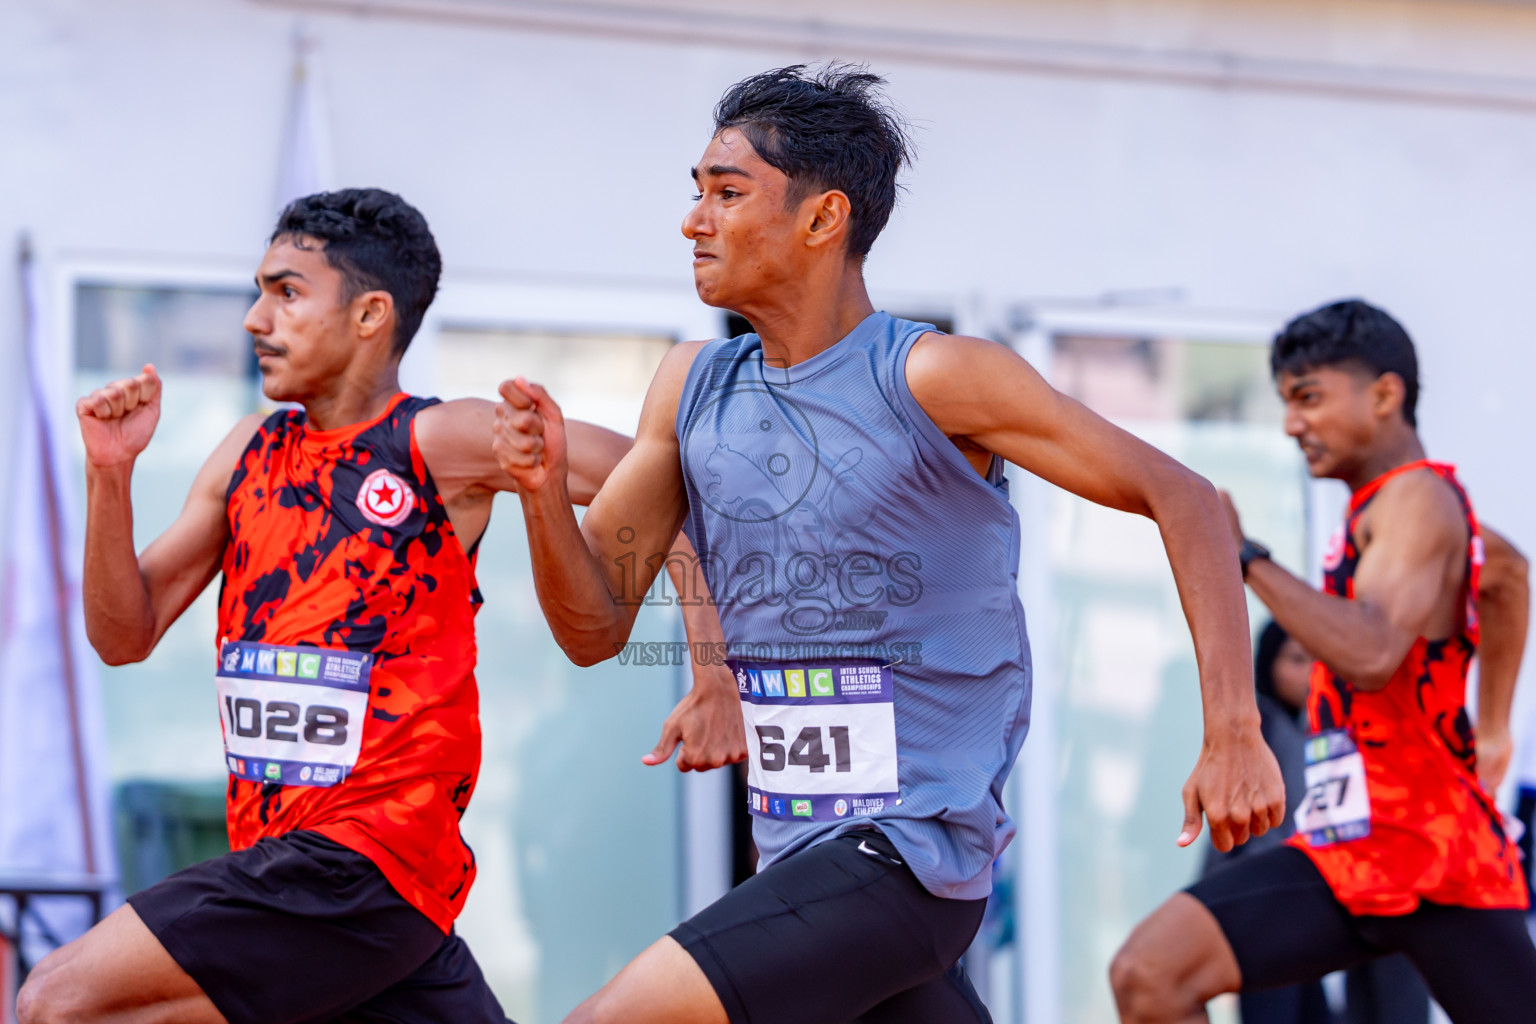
{"points": [[866, 579]]}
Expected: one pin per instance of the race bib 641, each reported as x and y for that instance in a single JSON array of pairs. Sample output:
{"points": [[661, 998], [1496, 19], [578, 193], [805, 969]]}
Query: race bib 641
{"points": [[821, 738]]}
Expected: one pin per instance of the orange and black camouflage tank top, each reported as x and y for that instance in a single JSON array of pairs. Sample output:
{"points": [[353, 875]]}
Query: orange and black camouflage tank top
{"points": [[1433, 834], [347, 652]]}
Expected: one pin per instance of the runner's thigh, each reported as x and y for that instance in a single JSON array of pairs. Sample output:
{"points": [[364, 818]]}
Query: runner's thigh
{"points": [[947, 999], [826, 934], [1480, 964], [448, 987], [295, 929], [1281, 919], [118, 970]]}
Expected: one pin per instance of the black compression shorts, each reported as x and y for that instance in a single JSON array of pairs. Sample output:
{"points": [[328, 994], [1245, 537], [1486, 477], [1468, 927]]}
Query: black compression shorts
{"points": [[299, 928], [838, 933], [1285, 927]]}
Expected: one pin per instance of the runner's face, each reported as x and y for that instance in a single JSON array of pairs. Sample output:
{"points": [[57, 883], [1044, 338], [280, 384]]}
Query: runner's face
{"points": [[301, 322], [1330, 413], [1292, 673], [745, 242]]}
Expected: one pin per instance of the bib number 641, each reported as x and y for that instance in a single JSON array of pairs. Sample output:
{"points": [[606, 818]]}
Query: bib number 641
{"points": [[806, 751]]}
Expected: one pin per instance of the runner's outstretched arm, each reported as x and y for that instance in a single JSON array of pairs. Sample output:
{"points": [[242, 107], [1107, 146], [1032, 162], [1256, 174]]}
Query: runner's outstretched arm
{"points": [[1416, 547], [455, 440], [130, 601], [707, 721], [985, 394], [1504, 610], [591, 578]]}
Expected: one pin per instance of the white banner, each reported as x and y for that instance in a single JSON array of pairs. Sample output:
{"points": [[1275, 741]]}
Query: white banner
{"points": [[54, 789]]}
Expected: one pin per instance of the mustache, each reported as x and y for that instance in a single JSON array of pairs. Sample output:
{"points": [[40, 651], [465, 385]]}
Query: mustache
{"points": [[265, 349]]}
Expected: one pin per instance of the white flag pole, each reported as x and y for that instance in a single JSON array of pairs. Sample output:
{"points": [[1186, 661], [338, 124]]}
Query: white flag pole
{"points": [[56, 542], [306, 152]]}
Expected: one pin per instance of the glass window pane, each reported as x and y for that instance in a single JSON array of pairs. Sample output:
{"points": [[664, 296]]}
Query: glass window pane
{"points": [[577, 842], [600, 378], [163, 725], [1129, 701], [190, 331]]}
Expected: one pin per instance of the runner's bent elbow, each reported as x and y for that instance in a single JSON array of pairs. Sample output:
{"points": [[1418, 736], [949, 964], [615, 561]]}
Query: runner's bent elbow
{"points": [[1175, 487]]}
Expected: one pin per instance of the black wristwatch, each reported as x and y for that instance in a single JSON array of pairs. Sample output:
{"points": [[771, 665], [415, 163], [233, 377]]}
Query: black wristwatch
{"points": [[1250, 550]]}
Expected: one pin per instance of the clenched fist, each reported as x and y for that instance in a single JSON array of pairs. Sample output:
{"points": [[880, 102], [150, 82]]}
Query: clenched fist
{"points": [[707, 722], [528, 436], [1237, 785], [117, 421]]}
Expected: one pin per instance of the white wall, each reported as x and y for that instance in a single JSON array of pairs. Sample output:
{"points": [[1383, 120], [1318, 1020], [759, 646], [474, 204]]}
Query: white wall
{"points": [[148, 130]]}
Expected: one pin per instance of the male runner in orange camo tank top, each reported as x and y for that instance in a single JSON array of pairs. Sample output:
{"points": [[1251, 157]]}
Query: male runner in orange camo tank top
{"points": [[345, 531], [1398, 847]]}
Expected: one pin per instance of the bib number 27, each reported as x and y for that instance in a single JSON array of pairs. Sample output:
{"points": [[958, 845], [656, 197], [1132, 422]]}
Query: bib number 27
{"points": [[1327, 795], [807, 750]]}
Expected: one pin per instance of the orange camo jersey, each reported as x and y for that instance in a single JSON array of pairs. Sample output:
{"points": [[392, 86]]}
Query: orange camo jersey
{"points": [[1434, 832], [340, 540]]}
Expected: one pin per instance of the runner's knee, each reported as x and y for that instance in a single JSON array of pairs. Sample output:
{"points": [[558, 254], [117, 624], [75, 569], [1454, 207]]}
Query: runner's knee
{"points": [[50, 996], [599, 1008], [1146, 991]]}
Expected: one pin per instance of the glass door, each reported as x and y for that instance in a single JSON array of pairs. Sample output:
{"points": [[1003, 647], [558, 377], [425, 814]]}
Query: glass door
{"points": [[1116, 725], [1129, 701], [577, 843], [585, 855]]}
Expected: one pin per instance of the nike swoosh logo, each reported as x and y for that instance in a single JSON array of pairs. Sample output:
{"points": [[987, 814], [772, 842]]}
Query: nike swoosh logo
{"points": [[864, 848]]}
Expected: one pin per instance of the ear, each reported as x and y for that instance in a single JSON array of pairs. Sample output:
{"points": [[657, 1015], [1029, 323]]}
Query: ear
{"points": [[372, 313], [1388, 392], [830, 214]]}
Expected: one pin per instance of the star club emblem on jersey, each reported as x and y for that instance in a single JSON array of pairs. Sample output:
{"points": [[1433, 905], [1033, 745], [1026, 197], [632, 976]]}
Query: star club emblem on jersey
{"points": [[385, 499], [1333, 555]]}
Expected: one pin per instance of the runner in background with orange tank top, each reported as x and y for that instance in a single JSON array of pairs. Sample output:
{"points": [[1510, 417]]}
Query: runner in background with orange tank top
{"points": [[1399, 847], [346, 533]]}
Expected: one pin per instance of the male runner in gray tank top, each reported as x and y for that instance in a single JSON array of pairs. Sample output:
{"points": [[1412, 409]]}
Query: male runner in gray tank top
{"points": [[839, 472]]}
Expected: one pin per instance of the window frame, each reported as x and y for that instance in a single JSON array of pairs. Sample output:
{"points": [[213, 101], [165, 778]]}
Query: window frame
{"points": [[563, 305]]}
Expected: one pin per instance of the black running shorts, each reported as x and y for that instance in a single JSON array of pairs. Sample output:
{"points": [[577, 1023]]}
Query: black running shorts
{"points": [[842, 932], [299, 928], [1285, 927]]}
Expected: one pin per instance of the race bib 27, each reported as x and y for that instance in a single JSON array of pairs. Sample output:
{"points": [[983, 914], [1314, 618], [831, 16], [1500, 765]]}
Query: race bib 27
{"points": [[292, 715], [1337, 807]]}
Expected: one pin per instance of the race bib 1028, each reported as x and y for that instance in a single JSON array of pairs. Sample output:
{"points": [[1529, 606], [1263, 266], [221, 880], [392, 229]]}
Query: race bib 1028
{"points": [[1337, 807], [292, 715], [821, 739]]}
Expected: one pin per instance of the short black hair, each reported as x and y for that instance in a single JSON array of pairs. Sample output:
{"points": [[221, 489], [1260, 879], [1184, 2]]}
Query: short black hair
{"points": [[825, 128], [1349, 332], [377, 241]]}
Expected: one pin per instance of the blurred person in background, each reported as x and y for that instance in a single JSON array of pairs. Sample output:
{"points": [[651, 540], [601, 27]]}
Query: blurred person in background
{"points": [[1399, 846]]}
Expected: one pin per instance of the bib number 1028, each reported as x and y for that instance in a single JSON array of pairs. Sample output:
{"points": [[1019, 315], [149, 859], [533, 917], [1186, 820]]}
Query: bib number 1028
{"points": [[806, 751], [322, 723]]}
